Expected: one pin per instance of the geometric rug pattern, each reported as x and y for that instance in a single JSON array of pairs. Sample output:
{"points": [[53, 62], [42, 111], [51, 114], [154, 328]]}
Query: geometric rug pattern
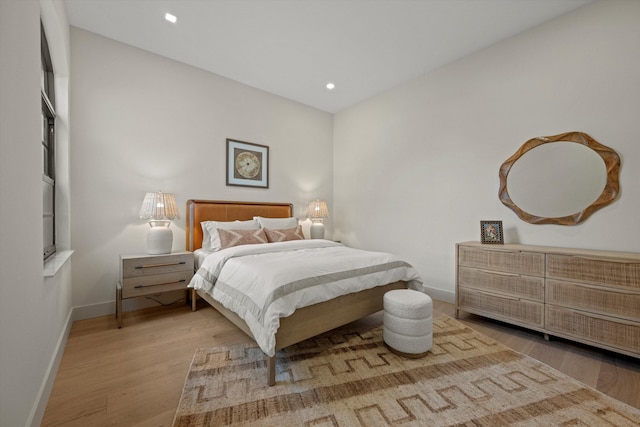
{"points": [[349, 377]]}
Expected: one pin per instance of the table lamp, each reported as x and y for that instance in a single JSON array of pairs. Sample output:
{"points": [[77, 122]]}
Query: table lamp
{"points": [[317, 212], [159, 208]]}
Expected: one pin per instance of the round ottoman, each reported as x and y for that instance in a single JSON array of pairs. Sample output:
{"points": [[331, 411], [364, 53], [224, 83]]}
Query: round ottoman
{"points": [[408, 322]]}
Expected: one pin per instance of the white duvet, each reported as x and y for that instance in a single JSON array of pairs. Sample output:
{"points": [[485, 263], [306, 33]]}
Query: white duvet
{"points": [[264, 282]]}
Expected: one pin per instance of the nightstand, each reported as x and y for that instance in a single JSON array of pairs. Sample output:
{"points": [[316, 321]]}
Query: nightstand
{"points": [[144, 274]]}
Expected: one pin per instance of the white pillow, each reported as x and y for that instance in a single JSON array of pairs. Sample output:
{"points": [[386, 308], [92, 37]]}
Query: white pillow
{"points": [[210, 237], [276, 223]]}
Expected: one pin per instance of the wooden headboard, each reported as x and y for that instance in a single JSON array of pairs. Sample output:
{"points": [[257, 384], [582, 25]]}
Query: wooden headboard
{"points": [[215, 210]]}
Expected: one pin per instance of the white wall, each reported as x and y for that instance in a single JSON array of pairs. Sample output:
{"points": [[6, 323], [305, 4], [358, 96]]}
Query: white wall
{"points": [[416, 168], [34, 311], [142, 123]]}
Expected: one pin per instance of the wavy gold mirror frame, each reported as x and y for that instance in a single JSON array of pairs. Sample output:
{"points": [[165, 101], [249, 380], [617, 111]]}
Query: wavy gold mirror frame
{"points": [[608, 195]]}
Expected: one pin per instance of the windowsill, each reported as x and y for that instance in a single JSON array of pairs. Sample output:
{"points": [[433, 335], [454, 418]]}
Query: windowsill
{"points": [[55, 263]]}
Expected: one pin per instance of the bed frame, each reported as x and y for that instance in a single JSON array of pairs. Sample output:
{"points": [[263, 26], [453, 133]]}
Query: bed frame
{"points": [[305, 322]]}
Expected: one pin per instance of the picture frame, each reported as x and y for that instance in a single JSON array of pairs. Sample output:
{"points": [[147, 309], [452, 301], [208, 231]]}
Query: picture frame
{"points": [[247, 164], [491, 232]]}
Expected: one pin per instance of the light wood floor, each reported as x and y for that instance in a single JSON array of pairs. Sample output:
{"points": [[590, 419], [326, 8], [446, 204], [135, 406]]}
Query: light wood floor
{"points": [[134, 375]]}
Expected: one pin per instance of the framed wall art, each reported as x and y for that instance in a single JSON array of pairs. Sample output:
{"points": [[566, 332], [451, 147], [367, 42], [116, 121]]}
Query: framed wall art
{"points": [[491, 232], [247, 164]]}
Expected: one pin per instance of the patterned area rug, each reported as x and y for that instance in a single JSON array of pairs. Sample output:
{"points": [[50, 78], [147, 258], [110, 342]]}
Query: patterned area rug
{"points": [[350, 378]]}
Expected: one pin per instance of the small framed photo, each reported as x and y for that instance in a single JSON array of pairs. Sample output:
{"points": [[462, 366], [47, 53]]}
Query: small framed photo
{"points": [[247, 164], [491, 232]]}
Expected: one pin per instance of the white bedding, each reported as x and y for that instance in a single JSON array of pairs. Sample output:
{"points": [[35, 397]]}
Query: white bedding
{"points": [[199, 255], [264, 282]]}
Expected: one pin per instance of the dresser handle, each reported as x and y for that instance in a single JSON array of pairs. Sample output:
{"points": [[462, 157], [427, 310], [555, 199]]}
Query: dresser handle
{"points": [[501, 273], [160, 265], [625, 291], [513, 251], [159, 284], [501, 296], [607, 318], [618, 260]]}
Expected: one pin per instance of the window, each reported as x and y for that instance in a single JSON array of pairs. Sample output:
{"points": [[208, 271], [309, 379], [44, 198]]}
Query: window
{"points": [[48, 148]]}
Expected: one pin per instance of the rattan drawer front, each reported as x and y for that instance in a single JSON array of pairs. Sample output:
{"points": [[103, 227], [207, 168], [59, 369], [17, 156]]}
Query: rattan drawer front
{"points": [[619, 302], [595, 270], [511, 284], [516, 310], [593, 328], [511, 261]]}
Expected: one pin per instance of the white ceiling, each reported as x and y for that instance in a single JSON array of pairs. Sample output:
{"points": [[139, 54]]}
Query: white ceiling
{"points": [[292, 48]]}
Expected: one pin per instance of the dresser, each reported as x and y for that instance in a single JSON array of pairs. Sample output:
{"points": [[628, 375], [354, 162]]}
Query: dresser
{"points": [[588, 296], [142, 275]]}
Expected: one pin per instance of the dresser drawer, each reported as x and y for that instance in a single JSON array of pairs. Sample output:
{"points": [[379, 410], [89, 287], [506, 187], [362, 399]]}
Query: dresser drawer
{"points": [[510, 261], [134, 266], [617, 302], [601, 271], [511, 284], [514, 310], [594, 329], [155, 283]]}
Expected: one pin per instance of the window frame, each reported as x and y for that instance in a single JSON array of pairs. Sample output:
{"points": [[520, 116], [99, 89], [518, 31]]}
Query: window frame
{"points": [[48, 142]]}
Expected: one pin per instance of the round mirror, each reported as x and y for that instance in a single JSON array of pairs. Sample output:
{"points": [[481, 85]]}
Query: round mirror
{"points": [[559, 183]]}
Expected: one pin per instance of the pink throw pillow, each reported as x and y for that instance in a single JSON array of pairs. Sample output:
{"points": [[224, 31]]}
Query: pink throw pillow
{"points": [[284, 235], [229, 238]]}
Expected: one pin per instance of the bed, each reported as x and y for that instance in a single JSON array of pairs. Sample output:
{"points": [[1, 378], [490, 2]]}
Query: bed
{"points": [[305, 322]]}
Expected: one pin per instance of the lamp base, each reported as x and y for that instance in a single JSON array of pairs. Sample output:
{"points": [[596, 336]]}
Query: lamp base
{"points": [[316, 231], [159, 238]]}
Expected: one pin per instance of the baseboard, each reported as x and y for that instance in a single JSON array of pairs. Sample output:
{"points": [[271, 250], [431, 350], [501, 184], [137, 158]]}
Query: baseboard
{"points": [[94, 310], [109, 308], [441, 295], [40, 405]]}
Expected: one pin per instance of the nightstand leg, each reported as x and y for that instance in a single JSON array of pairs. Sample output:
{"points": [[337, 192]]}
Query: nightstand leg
{"points": [[271, 371], [119, 305]]}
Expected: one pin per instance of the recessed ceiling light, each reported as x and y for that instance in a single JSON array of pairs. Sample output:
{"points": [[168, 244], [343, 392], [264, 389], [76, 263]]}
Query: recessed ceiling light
{"points": [[171, 18], [330, 86]]}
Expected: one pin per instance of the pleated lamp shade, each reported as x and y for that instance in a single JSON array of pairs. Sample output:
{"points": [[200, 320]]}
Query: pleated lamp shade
{"points": [[159, 206]]}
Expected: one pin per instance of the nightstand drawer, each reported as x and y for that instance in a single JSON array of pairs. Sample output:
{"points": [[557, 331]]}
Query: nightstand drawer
{"points": [[134, 266], [155, 283]]}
